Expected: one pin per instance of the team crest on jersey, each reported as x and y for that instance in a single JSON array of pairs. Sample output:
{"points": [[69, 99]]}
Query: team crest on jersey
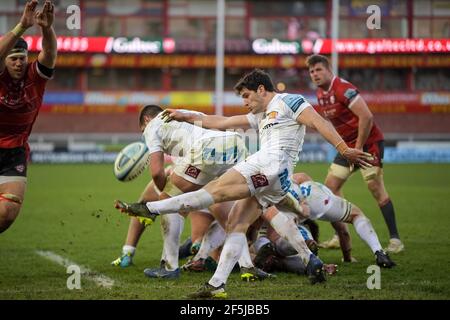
{"points": [[20, 168], [272, 115], [332, 99], [259, 180], [192, 171]]}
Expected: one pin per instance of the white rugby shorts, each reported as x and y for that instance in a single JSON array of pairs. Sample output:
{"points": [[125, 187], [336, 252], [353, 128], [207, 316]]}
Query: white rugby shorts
{"points": [[210, 158], [268, 176]]}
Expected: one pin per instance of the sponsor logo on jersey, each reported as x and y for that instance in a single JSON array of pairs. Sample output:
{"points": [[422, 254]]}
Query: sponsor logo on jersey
{"points": [[259, 180], [192, 171], [267, 126]]}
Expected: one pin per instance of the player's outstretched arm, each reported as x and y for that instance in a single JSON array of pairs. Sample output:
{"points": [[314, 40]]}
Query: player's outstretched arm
{"points": [[8, 41], [313, 120], [45, 18], [209, 121]]}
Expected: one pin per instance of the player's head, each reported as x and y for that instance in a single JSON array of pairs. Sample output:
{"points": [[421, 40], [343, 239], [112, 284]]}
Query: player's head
{"points": [[256, 89], [17, 59], [147, 114], [319, 70]]}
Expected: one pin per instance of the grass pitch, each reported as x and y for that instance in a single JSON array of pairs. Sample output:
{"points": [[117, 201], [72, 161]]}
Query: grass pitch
{"points": [[68, 211]]}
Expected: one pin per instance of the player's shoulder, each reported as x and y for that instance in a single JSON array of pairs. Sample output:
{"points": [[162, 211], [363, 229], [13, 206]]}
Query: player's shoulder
{"points": [[345, 89], [341, 85], [154, 125], [292, 101]]}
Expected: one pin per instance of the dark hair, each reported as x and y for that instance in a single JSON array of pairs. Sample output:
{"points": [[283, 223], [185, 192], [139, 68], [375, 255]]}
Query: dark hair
{"points": [[21, 44], [151, 110], [253, 80], [317, 58]]}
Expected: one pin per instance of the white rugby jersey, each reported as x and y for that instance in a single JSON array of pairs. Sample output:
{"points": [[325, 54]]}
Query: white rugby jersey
{"points": [[176, 138], [278, 129]]}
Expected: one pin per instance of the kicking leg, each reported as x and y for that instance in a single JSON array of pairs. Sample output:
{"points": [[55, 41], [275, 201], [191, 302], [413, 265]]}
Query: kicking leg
{"points": [[230, 186]]}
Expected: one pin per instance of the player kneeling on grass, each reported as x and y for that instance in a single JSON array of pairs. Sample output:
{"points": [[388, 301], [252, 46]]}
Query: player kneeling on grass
{"points": [[326, 206], [274, 254]]}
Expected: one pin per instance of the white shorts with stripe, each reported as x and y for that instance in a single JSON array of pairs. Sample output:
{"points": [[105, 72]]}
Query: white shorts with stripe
{"points": [[268, 176], [323, 204], [210, 158]]}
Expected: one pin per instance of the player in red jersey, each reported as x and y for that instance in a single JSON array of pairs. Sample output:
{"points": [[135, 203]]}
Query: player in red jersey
{"points": [[340, 103], [22, 86]]}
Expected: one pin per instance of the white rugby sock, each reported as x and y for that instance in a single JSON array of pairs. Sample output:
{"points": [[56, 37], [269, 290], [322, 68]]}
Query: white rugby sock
{"points": [[214, 237], [287, 229], [127, 249], [245, 261], [231, 252], [186, 202], [365, 230], [171, 227]]}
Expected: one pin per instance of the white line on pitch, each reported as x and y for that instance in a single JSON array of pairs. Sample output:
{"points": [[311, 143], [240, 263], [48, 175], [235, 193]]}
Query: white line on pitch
{"points": [[100, 279]]}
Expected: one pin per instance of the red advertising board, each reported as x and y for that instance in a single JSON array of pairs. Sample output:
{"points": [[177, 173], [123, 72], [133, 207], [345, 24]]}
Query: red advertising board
{"points": [[260, 46]]}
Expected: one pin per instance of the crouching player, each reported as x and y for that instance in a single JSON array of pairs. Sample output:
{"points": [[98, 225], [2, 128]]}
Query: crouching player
{"points": [[326, 206]]}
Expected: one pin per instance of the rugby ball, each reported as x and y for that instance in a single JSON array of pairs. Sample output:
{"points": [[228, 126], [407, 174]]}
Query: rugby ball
{"points": [[131, 161]]}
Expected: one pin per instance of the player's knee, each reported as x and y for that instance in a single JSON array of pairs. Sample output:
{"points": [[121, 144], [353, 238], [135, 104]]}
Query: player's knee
{"points": [[355, 214], [300, 177], [338, 174], [374, 173], [8, 213]]}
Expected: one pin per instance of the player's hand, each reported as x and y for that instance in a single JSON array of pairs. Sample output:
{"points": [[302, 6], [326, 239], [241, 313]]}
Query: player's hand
{"points": [[173, 114], [27, 20], [358, 157], [165, 115], [45, 17]]}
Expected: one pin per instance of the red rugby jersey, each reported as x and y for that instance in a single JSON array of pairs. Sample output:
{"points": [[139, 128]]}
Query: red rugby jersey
{"points": [[20, 101], [334, 106]]}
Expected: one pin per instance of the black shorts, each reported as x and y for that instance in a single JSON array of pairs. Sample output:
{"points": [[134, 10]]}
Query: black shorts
{"points": [[13, 162], [375, 149]]}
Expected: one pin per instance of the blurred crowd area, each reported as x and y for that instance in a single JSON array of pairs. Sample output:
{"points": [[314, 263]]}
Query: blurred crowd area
{"points": [[195, 19], [193, 23]]}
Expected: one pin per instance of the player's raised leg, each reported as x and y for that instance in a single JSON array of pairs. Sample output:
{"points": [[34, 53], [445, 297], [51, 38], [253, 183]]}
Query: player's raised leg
{"points": [[230, 186]]}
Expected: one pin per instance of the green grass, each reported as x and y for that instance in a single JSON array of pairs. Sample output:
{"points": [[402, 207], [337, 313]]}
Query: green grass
{"points": [[68, 210]]}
